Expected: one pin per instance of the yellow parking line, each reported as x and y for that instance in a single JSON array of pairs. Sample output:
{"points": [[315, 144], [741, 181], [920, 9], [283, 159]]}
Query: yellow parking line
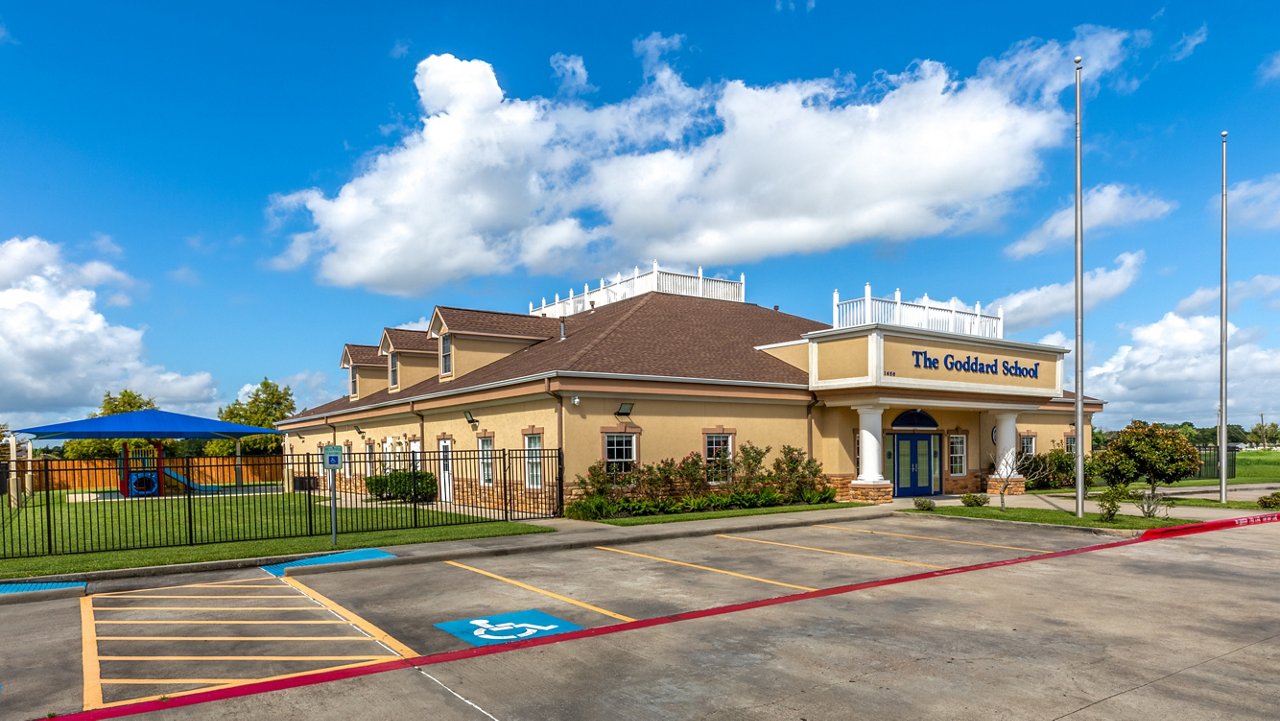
{"points": [[234, 638], [550, 594], [706, 568], [186, 595], [236, 682], [257, 583], [353, 618], [828, 550], [220, 622], [932, 538], [363, 657], [308, 607], [89, 655], [174, 681]]}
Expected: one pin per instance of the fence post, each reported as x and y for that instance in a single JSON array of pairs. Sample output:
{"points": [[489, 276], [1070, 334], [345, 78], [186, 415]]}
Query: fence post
{"points": [[310, 501], [48, 505], [191, 520], [559, 510], [506, 485]]}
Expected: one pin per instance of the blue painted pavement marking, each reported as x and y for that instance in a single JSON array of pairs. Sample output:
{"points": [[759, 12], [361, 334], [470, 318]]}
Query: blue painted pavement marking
{"points": [[29, 587], [363, 554], [507, 627]]}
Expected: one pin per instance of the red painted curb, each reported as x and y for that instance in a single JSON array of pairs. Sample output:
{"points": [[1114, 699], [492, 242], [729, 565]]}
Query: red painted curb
{"points": [[320, 677], [1152, 534]]}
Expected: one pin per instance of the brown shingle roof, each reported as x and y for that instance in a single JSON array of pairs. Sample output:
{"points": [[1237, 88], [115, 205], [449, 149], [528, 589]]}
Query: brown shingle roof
{"points": [[411, 341], [484, 322], [363, 355], [654, 334]]}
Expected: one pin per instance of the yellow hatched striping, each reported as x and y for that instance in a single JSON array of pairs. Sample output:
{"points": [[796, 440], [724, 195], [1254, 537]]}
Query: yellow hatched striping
{"points": [[192, 595], [174, 681], [89, 655], [238, 682], [308, 607], [353, 618], [735, 574], [815, 549], [932, 538], [218, 622], [543, 591], [234, 638]]}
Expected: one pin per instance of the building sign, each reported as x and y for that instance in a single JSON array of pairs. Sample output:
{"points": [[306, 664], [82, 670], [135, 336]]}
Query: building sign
{"points": [[975, 364]]}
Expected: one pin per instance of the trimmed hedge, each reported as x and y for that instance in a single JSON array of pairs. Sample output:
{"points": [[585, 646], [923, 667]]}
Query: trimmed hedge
{"points": [[407, 486]]}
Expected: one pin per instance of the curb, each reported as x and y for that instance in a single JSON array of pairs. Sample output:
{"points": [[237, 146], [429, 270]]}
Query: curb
{"points": [[8, 599], [1120, 532]]}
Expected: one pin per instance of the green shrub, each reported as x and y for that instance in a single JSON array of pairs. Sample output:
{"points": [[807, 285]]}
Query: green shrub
{"points": [[376, 486], [826, 494], [1110, 499], [412, 486], [973, 500], [925, 503], [748, 467], [1269, 501], [795, 473]]}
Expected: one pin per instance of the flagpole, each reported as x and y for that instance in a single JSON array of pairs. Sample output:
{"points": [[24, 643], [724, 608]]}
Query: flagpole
{"points": [[1079, 354], [1222, 341]]}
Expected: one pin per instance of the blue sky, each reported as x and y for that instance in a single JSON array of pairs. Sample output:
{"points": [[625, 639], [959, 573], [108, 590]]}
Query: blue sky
{"points": [[193, 197]]}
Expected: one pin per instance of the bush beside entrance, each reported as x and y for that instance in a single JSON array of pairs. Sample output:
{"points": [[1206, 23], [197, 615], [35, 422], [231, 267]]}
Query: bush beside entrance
{"points": [[407, 486]]}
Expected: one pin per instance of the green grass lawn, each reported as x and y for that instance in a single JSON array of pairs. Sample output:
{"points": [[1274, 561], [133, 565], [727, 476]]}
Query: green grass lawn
{"points": [[1058, 518], [82, 562], [705, 515], [1206, 503], [1251, 467], [52, 525]]}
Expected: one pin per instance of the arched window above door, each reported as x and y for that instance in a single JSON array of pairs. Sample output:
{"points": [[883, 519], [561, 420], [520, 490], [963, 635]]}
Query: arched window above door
{"points": [[914, 420]]}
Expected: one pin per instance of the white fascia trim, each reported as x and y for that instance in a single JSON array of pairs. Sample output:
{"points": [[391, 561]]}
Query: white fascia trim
{"points": [[905, 331], [562, 374], [963, 405], [783, 344]]}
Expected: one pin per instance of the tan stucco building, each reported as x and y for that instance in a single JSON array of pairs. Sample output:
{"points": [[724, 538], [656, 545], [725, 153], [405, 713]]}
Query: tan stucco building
{"points": [[894, 398]]}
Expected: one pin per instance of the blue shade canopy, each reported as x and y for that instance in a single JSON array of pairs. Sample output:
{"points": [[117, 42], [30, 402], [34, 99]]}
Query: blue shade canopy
{"points": [[146, 424]]}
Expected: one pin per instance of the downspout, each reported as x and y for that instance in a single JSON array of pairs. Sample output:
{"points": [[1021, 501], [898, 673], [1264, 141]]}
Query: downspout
{"points": [[422, 427], [546, 388], [808, 416]]}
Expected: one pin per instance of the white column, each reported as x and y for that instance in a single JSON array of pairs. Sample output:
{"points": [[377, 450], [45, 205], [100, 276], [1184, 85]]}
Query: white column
{"points": [[1006, 444], [870, 457]]}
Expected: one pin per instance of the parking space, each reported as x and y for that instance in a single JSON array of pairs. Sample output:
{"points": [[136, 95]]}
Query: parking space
{"points": [[168, 641]]}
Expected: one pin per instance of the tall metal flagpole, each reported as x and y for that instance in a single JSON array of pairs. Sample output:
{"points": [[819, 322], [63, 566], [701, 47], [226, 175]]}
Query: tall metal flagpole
{"points": [[1222, 341], [1079, 312]]}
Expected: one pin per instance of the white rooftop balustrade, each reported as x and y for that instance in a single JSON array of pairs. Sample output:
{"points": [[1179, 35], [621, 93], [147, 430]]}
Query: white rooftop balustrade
{"points": [[927, 314], [655, 279]]}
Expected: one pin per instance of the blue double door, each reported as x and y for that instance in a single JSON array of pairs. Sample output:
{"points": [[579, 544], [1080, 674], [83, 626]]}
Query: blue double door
{"points": [[917, 469]]}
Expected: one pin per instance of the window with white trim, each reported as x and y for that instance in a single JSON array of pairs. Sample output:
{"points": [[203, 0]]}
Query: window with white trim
{"points": [[446, 354], [1069, 444], [351, 381], [533, 460], [394, 361], [1026, 446], [719, 456], [957, 458], [486, 460], [619, 452]]}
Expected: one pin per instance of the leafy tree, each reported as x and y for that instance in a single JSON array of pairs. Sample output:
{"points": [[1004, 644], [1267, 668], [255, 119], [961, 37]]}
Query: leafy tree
{"points": [[127, 402], [1149, 454], [267, 404], [1265, 434]]}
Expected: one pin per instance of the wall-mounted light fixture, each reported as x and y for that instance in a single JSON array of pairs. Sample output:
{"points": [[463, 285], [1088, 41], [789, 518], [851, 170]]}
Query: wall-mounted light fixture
{"points": [[576, 401], [358, 430], [470, 418], [624, 410]]}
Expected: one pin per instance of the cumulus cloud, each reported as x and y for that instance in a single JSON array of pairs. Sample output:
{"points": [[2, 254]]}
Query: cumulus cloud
{"points": [[1259, 286], [1036, 306], [1169, 373], [1254, 203], [1270, 68], [719, 173], [1187, 45], [572, 72], [1105, 206], [59, 352], [105, 245]]}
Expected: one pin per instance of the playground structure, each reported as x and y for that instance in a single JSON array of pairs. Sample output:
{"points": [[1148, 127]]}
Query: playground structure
{"points": [[142, 473]]}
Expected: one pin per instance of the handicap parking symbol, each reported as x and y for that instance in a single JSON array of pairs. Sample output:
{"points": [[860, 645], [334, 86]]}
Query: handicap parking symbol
{"points": [[507, 627]]}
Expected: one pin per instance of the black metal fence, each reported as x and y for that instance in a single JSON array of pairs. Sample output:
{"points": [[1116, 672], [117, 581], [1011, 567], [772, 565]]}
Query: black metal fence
{"points": [[1209, 462], [60, 507]]}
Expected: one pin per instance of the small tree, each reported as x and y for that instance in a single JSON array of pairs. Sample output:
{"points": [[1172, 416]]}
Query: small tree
{"points": [[1148, 454], [267, 404], [127, 402], [1033, 470]]}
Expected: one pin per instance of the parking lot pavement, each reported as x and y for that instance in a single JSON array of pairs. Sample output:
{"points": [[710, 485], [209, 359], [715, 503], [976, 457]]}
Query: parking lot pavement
{"points": [[1176, 628]]}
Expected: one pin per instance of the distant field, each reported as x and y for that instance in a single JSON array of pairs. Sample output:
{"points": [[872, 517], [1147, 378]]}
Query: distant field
{"points": [[1258, 466]]}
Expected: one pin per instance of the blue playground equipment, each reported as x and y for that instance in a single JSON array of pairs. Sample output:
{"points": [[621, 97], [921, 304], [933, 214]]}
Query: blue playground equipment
{"points": [[139, 477]]}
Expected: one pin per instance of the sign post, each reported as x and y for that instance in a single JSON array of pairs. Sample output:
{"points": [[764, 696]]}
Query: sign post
{"points": [[332, 462]]}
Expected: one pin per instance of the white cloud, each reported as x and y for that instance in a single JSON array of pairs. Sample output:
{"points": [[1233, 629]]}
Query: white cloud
{"points": [[1270, 68], [1254, 203], [60, 354], [105, 245], [699, 175], [310, 388], [6, 38], [185, 275], [422, 323], [1187, 45], [1169, 373], [572, 72], [1259, 286], [1036, 306], [399, 49], [1105, 206]]}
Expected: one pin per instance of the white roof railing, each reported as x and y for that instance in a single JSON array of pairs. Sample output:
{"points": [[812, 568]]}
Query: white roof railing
{"points": [[927, 314], [654, 279]]}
